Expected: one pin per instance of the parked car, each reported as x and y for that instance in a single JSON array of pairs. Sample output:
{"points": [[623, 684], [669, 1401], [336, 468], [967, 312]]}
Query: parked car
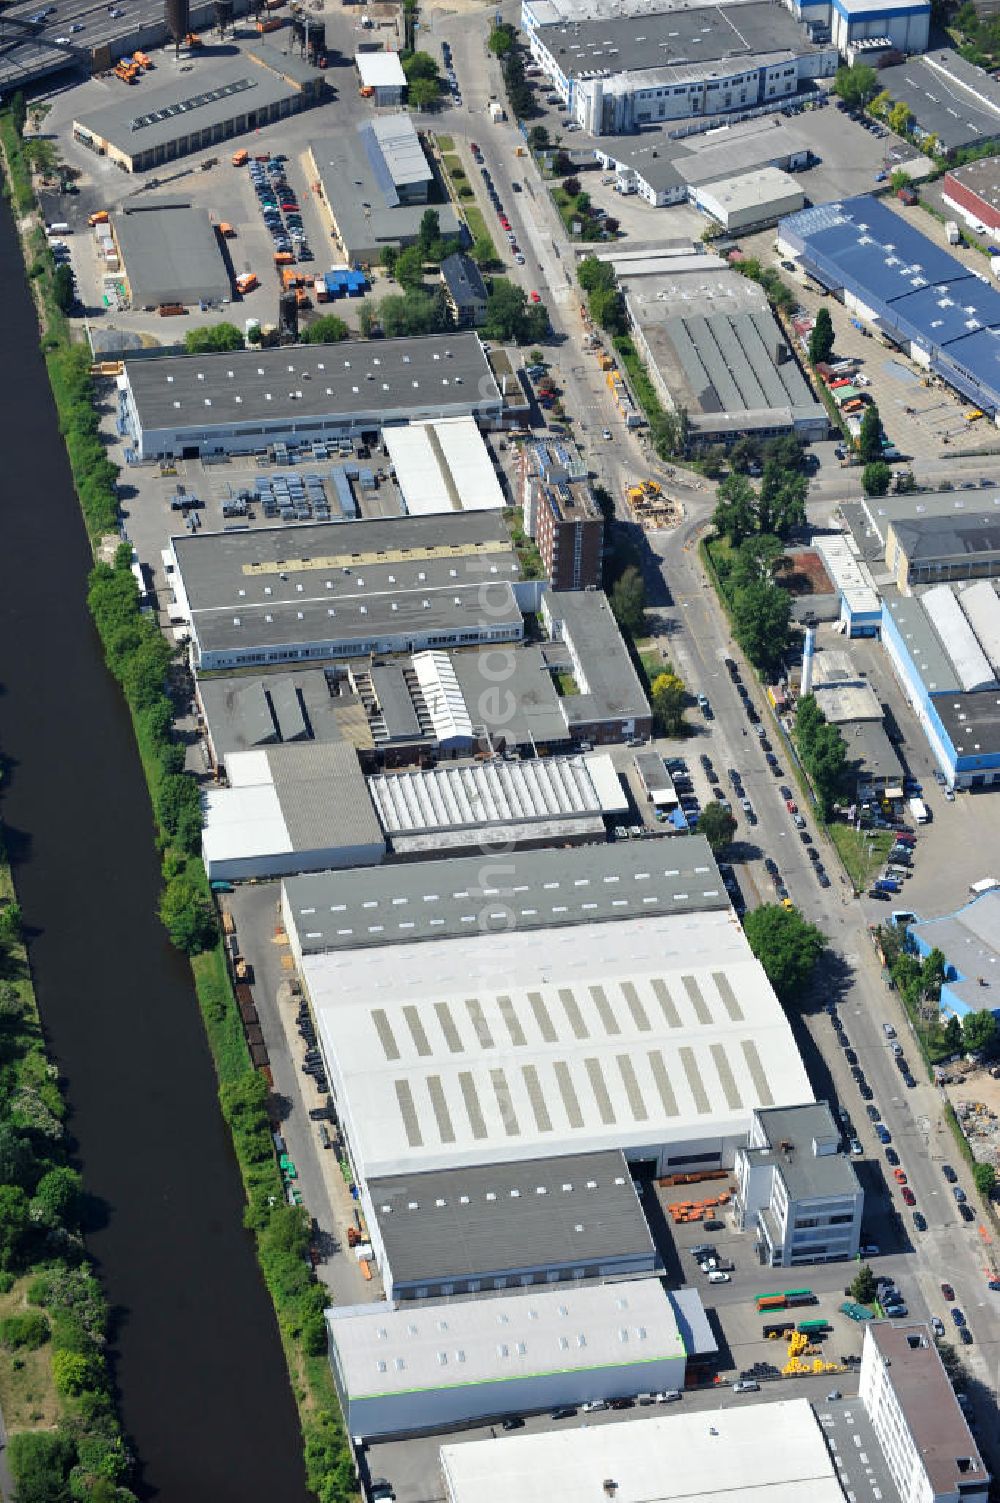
{"points": [[746, 1385]]}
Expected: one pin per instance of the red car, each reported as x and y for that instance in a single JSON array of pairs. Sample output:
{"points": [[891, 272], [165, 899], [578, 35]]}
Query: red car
{"points": [[908, 1196], [535, 298], [791, 806], [947, 1291], [504, 222], [899, 1176]]}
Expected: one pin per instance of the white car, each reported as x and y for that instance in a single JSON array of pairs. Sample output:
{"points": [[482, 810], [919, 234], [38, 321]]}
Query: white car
{"points": [[607, 433], [717, 1277], [62, 41], [519, 259], [669, 1396], [746, 1385], [949, 795], [594, 1406]]}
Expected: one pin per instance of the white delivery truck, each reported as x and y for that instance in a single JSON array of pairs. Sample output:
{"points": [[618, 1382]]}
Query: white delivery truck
{"points": [[951, 232], [918, 809], [985, 884]]}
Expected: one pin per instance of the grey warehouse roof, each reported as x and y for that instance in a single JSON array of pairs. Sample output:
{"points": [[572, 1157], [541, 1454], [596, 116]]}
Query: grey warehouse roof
{"points": [[544, 888], [158, 113], [326, 581], [354, 378], [171, 253], [457, 1223], [948, 537], [244, 714], [921, 641], [972, 722], [955, 100], [362, 194], [609, 685], [673, 37], [527, 709]]}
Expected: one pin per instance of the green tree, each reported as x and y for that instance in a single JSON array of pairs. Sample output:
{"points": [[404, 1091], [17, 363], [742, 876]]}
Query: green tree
{"points": [[538, 138], [863, 1287], [876, 478], [509, 315], [668, 697], [429, 232], [327, 329], [483, 251], [746, 454], [717, 825], [761, 615], [787, 452], [410, 267], [821, 336], [786, 945], [187, 916], [856, 86], [900, 118], [628, 601], [501, 40], [984, 1177], [979, 1032], [423, 93], [607, 309], [57, 1198], [213, 339], [40, 1461], [63, 290], [754, 561], [388, 256], [782, 506], [18, 112], [952, 1035], [870, 438], [15, 1221], [418, 65], [72, 1372], [735, 515], [932, 974]]}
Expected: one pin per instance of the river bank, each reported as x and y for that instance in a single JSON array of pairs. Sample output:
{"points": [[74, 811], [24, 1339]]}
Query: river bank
{"points": [[195, 1350]]}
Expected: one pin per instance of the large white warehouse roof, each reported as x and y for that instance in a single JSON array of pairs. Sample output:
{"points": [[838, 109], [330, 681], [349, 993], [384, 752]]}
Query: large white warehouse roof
{"points": [[765, 1453], [443, 465], [661, 1030], [958, 638]]}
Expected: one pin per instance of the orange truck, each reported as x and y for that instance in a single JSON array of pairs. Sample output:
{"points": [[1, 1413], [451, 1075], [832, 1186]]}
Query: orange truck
{"points": [[240, 158], [100, 216], [284, 258], [226, 230], [246, 283], [289, 276], [269, 23], [142, 60]]}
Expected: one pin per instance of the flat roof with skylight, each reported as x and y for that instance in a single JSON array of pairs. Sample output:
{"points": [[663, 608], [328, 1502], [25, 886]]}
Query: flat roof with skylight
{"points": [[502, 1046]]}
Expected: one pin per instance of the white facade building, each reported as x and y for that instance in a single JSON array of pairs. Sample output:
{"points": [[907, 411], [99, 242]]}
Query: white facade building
{"points": [[406, 1370], [796, 1188], [913, 1410]]}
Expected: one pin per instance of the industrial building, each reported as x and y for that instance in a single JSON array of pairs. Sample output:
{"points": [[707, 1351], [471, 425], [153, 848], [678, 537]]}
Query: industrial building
{"points": [[478, 1230], [712, 346], [561, 514], [949, 98], [658, 1036], [618, 73], [797, 1190], [896, 25], [969, 940], [751, 200], [443, 466], [451, 809], [289, 809], [183, 406], [406, 1370], [300, 707], [910, 1401], [397, 585], [235, 96], [896, 279], [377, 183], [382, 73], [758, 1453], [664, 169], [465, 290], [850, 703], [170, 253], [609, 702], [845, 563], [950, 683], [973, 191], [928, 537], [337, 914]]}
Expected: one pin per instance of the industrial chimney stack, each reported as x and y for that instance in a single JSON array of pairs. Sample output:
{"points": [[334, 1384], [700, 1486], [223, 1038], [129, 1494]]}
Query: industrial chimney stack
{"points": [[807, 662]]}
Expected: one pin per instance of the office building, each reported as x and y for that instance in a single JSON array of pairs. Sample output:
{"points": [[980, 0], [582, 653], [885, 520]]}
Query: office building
{"points": [[465, 290], [620, 72], [911, 1404], [796, 1189], [410, 1370], [482, 1230], [603, 699], [561, 515]]}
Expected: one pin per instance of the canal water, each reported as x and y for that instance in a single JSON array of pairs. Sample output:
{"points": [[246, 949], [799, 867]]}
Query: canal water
{"points": [[203, 1389]]}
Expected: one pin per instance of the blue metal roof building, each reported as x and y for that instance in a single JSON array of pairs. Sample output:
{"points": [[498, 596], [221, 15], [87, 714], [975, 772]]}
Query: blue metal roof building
{"points": [[890, 274]]}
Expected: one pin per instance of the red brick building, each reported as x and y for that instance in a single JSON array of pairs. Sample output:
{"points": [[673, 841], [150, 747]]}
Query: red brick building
{"points": [[560, 513], [975, 190]]}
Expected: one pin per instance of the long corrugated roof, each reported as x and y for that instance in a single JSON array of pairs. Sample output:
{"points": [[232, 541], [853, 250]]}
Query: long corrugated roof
{"points": [[484, 794], [958, 638], [981, 605]]}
